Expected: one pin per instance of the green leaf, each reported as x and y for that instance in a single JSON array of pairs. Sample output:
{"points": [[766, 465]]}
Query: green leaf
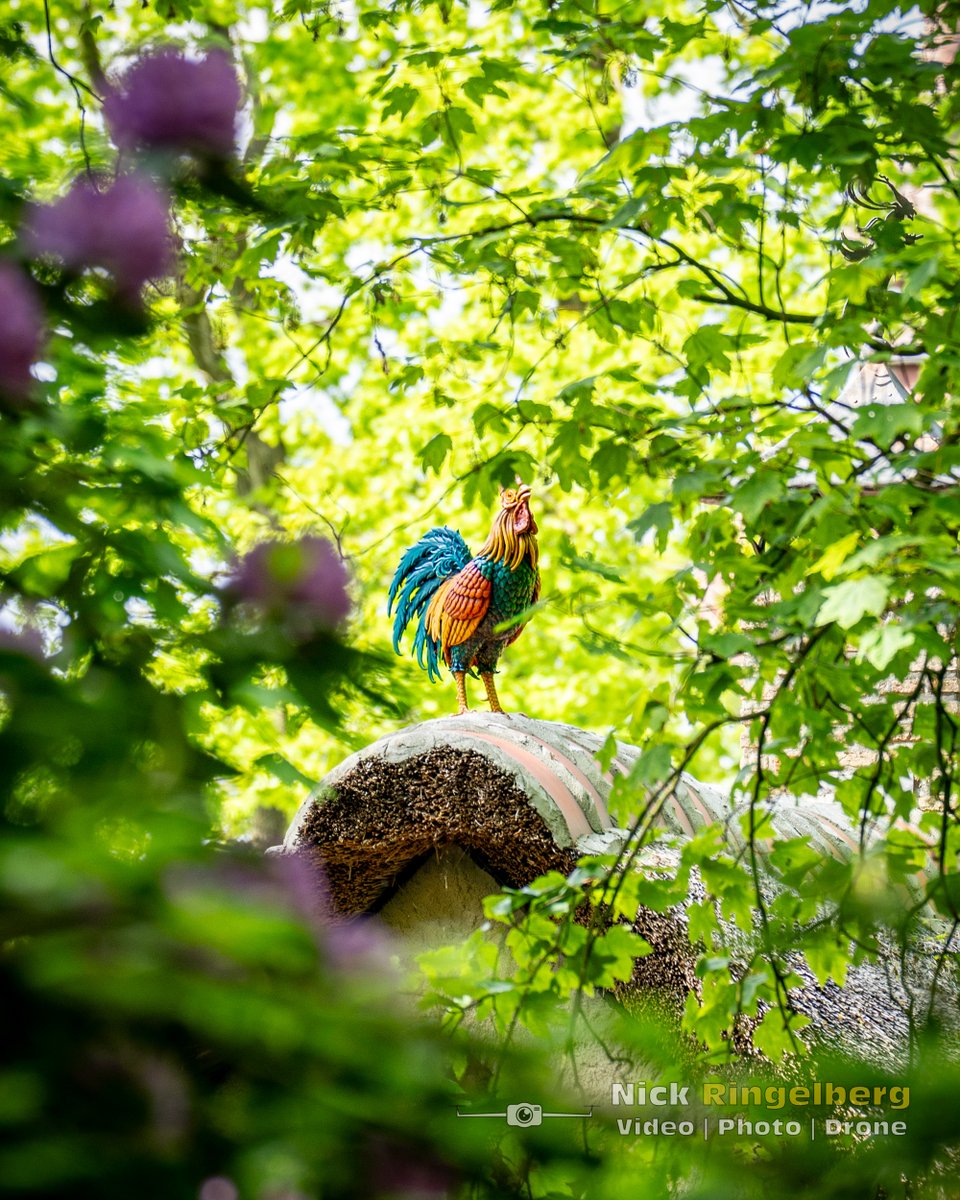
{"points": [[653, 765], [835, 556], [880, 645], [923, 273], [492, 74], [847, 603], [283, 769], [710, 347], [520, 618], [613, 954], [41, 574], [628, 213], [752, 497], [884, 423], [458, 121], [435, 451], [658, 516], [828, 960], [607, 752], [749, 987], [726, 645], [772, 1037], [798, 364], [399, 100]]}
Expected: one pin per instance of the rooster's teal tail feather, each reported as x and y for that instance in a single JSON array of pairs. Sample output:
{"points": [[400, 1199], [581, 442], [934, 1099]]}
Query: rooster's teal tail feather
{"points": [[439, 554]]}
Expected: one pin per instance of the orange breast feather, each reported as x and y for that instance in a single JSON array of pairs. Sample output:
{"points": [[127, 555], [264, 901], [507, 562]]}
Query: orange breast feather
{"points": [[458, 607]]}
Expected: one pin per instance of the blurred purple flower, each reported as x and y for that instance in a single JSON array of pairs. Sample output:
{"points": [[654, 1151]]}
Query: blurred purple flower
{"points": [[398, 1170], [284, 883], [360, 944], [21, 331], [218, 1187], [168, 101], [303, 582], [124, 229], [304, 887]]}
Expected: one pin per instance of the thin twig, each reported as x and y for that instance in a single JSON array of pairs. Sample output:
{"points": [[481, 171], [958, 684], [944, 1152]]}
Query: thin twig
{"points": [[78, 85]]}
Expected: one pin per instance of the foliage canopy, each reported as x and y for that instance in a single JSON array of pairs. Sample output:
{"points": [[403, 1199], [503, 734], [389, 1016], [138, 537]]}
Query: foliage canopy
{"points": [[632, 255]]}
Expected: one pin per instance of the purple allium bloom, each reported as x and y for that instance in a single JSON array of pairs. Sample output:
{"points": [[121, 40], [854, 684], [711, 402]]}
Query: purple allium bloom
{"points": [[353, 945], [171, 102], [281, 884], [123, 228], [304, 887], [303, 582], [362, 944], [21, 332], [398, 1170], [218, 1187]]}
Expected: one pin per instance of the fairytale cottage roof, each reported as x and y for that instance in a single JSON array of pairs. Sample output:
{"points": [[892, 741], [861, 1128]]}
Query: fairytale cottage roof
{"points": [[423, 823], [516, 792]]}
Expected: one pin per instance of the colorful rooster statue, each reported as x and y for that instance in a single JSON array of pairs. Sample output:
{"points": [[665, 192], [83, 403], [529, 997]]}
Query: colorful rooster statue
{"points": [[461, 600]]}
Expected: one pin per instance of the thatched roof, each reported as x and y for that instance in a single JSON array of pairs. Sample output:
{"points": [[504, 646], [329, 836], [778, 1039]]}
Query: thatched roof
{"points": [[519, 768], [522, 797], [380, 821]]}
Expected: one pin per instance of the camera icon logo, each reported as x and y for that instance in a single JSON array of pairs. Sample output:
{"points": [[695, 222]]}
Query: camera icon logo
{"points": [[524, 1115]]}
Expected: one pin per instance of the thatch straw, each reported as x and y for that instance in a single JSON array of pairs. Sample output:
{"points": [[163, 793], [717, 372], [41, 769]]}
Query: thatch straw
{"points": [[376, 825]]}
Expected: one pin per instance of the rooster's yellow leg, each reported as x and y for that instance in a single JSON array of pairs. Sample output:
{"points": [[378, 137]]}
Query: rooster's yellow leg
{"points": [[459, 680], [487, 678]]}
